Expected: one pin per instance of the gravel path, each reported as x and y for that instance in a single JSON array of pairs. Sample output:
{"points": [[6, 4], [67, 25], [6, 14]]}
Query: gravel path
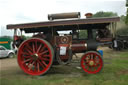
{"points": [[8, 63], [9, 66]]}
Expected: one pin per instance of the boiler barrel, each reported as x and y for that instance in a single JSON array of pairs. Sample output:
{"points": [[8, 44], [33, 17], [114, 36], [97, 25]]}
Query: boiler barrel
{"points": [[82, 47], [64, 15], [79, 47]]}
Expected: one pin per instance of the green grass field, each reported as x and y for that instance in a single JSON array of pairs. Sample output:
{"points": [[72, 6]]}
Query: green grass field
{"points": [[115, 72]]}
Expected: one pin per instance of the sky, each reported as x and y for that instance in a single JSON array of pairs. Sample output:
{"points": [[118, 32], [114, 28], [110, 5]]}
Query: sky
{"points": [[24, 11]]}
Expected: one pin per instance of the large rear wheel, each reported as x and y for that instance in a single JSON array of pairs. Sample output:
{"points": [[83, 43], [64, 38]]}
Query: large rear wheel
{"points": [[35, 56]]}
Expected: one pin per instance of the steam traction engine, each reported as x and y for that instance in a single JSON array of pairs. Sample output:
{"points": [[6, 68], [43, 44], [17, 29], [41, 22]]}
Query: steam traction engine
{"points": [[55, 41]]}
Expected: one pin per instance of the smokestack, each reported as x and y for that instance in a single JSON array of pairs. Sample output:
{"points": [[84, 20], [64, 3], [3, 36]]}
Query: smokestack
{"points": [[88, 15]]}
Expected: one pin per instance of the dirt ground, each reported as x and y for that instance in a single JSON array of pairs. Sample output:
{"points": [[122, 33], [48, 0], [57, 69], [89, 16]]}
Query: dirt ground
{"points": [[10, 64], [6, 64]]}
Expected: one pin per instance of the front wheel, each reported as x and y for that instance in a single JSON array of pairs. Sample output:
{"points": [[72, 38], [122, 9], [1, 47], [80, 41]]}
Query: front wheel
{"points": [[91, 62]]}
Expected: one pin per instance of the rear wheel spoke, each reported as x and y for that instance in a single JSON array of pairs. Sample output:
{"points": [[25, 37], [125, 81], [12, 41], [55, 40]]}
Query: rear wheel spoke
{"points": [[35, 56], [27, 60], [46, 55], [27, 50], [45, 59], [33, 47], [35, 66], [42, 49], [27, 45], [27, 56], [31, 65], [30, 62], [44, 64], [39, 48], [43, 52], [25, 53], [38, 67], [41, 64]]}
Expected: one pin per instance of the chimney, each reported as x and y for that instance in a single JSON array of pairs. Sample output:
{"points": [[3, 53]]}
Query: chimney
{"points": [[88, 15]]}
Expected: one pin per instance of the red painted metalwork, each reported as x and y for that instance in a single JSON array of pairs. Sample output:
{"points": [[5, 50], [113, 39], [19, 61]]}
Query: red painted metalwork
{"points": [[35, 56], [16, 37], [91, 62], [66, 56], [79, 47], [104, 39], [63, 41]]}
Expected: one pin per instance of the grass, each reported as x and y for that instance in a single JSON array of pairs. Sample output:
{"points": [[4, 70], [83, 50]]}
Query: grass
{"points": [[115, 73]]}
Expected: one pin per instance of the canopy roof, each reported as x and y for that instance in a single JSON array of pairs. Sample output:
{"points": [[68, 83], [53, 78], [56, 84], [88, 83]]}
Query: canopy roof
{"points": [[64, 24]]}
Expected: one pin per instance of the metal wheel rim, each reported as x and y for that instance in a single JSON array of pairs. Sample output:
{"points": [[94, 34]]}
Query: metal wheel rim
{"points": [[32, 65], [94, 68]]}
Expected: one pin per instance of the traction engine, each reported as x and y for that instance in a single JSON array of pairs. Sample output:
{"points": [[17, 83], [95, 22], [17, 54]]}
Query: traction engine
{"points": [[46, 47]]}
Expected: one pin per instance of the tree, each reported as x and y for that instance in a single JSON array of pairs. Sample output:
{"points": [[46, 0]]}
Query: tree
{"points": [[123, 18], [123, 31], [7, 37], [83, 34], [126, 20], [127, 3], [104, 14]]}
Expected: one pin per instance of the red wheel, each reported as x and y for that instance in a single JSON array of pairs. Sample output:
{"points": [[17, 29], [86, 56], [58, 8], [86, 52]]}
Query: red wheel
{"points": [[91, 62], [35, 56]]}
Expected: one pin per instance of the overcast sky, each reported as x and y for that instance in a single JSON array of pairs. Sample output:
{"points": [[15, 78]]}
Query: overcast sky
{"points": [[23, 11]]}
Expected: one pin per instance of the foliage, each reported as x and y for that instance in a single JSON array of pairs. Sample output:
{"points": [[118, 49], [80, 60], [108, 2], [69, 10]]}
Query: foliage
{"points": [[104, 14], [127, 12], [8, 37], [127, 17], [123, 31], [127, 3], [122, 27], [25, 37], [83, 34], [123, 18]]}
